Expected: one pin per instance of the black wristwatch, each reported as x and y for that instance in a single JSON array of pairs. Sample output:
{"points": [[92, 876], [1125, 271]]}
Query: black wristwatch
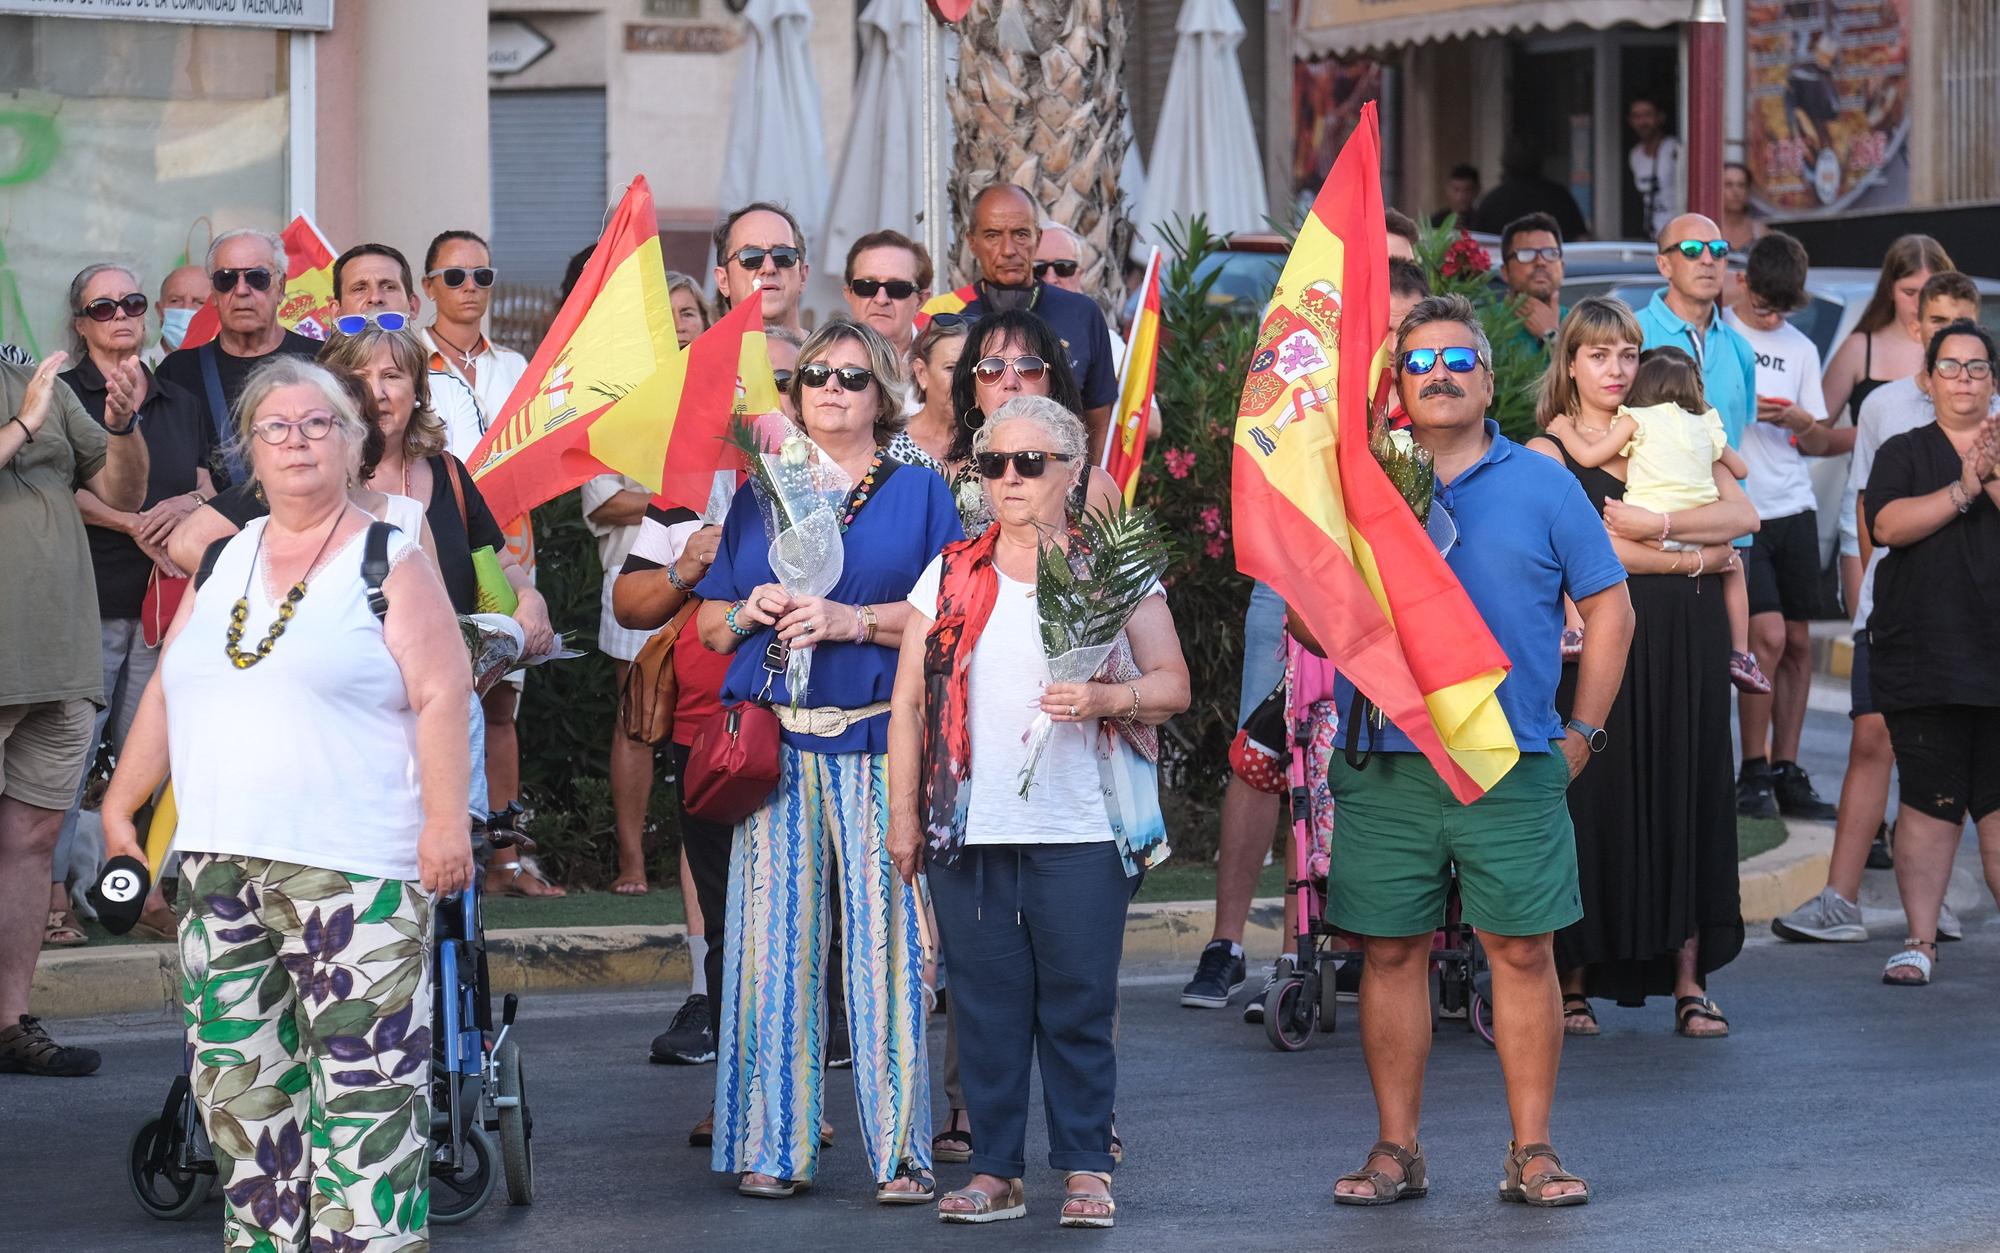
{"points": [[1593, 736]]}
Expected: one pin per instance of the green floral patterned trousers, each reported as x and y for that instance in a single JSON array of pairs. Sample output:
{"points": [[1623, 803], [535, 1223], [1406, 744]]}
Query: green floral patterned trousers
{"points": [[307, 998]]}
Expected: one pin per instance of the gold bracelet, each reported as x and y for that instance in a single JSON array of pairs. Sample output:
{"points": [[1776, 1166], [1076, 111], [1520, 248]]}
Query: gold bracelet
{"points": [[1134, 689], [873, 623]]}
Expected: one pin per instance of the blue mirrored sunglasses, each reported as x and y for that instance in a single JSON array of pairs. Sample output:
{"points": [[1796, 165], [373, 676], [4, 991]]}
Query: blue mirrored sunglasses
{"points": [[1424, 360], [355, 323]]}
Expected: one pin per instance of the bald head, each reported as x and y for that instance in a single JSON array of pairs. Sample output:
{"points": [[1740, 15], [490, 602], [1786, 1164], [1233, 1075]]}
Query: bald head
{"points": [[1004, 235], [1688, 226], [1694, 281]]}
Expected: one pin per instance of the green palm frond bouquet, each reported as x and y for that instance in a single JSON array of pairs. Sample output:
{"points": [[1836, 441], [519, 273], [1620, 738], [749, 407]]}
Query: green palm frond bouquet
{"points": [[1086, 595]]}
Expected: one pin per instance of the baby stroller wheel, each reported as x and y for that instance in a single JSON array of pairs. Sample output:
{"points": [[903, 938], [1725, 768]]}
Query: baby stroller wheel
{"points": [[1480, 1015], [458, 1192], [163, 1187], [1291, 1012], [517, 1126]]}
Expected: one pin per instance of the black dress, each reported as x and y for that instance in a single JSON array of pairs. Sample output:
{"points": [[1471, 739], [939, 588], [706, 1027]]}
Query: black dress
{"points": [[1655, 812]]}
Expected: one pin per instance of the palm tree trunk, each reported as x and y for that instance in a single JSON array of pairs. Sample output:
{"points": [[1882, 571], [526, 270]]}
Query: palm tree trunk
{"points": [[1040, 104]]}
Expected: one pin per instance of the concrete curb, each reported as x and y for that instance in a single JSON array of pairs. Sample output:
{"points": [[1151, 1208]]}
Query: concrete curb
{"points": [[137, 978]]}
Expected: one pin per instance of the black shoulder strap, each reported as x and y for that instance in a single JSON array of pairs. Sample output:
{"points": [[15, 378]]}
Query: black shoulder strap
{"points": [[375, 566], [208, 560]]}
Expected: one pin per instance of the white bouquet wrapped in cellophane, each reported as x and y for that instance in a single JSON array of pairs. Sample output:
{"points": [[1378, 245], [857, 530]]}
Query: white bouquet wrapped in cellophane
{"points": [[800, 492]]}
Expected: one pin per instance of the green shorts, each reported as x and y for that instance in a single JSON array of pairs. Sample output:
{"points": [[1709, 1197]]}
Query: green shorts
{"points": [[1398, 832]]}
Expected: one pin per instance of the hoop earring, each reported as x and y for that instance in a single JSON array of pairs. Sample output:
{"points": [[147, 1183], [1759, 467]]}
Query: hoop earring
{"points": [[966, 419]]}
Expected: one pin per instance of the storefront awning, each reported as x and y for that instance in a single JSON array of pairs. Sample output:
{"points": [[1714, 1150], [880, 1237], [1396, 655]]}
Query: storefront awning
{"points": [[1347, 27]]}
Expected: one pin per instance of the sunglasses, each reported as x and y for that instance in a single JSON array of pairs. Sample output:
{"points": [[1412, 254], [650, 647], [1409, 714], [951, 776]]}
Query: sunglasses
{"points": [[990, 369], [783, 378], [355, 323], [854, 378], [104, 308], [1063, 269], [752, 259], [1424, 360], [277, 430], [1691, 248], [257, 276], [1952, 367], [896, 287], [454, 276], [949, 320], [1029, 465], [1528, 256]]}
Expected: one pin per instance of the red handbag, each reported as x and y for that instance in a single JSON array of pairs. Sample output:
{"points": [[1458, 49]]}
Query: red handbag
{"points": [[732, 766], [163, 600]]}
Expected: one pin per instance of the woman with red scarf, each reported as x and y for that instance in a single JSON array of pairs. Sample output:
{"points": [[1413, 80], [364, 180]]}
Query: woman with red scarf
{"points": [[1030, 893]]}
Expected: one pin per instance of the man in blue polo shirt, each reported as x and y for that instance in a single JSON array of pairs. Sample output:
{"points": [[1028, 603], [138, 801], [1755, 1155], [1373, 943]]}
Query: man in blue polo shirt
{"points": [[1005, 233], [1687, 314], [1519, 533]]}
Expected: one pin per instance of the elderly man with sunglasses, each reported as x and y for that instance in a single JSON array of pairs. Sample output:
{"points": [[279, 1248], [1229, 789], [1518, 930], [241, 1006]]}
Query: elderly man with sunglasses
{"points": [[246, 270], [1518, 532], [1005, 238], [1687, 314]]}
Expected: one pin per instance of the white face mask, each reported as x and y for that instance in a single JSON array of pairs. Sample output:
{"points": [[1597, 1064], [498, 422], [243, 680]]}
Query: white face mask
{"points": [[174, 326]]}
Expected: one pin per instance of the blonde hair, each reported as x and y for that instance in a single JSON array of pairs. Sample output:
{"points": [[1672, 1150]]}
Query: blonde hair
{"points": [[425, 435], [280, 372], [884, 362], [1592, 321]]}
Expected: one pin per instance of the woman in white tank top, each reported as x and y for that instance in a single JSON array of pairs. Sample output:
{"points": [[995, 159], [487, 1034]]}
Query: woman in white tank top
{"points": [[320, 770]]}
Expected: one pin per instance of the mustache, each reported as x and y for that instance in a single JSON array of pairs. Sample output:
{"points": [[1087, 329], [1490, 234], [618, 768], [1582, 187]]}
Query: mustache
{"points": [[1440, 387]]}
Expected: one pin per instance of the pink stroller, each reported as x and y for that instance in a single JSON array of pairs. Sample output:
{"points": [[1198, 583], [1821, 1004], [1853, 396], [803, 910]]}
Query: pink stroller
{"points": [[1303, 1000]]}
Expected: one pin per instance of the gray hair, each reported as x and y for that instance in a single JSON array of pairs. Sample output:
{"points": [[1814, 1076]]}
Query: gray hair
{"points": [[286, 371], [275, 243], [1050, 224], [883, 361], [677, 281], [1445, 309], [1065, 429], [78, 346]]}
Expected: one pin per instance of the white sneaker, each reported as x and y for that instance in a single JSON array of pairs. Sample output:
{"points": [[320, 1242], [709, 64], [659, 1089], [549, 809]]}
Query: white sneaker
{"points": [[1948, 927], [1826, 917]]}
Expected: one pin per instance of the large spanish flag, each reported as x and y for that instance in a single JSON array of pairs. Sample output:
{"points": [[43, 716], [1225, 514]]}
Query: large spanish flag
{"points": [[1318, 520], [610, 390], [1126, 451], [308, 304]]}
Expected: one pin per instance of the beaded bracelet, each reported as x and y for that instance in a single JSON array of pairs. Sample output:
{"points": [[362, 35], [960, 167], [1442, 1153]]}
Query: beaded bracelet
{"points": [[860, 626], [729, 620], [674, 577]]}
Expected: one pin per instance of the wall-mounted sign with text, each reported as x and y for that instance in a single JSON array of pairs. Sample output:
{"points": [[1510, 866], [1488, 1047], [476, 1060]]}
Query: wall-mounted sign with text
{"points": [[271, 14], [512, 46]]}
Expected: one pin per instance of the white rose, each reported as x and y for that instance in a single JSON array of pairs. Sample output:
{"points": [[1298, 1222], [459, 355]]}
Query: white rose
{"points": [[795, 452], [1402, 441], [970, 497]]}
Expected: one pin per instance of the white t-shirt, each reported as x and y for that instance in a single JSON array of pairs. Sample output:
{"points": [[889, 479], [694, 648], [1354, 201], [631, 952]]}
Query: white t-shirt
{"points": [[309, 756], [1787, 368], [1659, 181], [1889, 411], [1009, 671]]}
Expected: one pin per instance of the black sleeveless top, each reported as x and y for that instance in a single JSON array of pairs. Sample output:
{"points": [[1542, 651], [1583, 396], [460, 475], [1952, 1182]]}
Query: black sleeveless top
{"points": [[1599, 484], [1867, 384]]}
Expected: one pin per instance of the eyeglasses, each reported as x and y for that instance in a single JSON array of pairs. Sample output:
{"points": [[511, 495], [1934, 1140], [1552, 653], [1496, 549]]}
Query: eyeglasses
{"points": [[355, 323], [990, 369], [257, 276], [1063, 269], [854, 378], [783, 378], [315, 426], [1029, 465], [1424, 360], [104, 308], [454, 276], [896, 287], [1528, 256], [752, 259], [1952, 367], [1691, 248]]}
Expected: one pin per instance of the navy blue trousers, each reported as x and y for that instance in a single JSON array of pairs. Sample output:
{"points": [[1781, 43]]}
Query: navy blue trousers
{"points": [[1032, 936]]}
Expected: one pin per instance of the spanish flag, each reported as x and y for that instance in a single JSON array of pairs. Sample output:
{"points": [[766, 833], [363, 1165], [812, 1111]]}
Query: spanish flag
{"points": [[946, 302], [1124, 454], [308, 307], [610, 390], [1318, 520]]}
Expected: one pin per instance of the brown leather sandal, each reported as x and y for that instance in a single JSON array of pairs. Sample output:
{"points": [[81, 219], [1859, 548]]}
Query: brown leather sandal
{"points": [[1533, 1189], [1388, 1191]]}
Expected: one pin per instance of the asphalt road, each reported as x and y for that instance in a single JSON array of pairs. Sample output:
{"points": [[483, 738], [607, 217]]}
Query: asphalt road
{"points": [[1842, 1114]]}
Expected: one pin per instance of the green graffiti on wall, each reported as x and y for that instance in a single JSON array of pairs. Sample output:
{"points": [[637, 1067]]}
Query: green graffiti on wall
{"points": [[34, 142]]}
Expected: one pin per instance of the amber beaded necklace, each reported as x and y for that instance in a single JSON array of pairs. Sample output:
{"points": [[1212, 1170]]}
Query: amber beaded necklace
{"points": [[286, 607]]}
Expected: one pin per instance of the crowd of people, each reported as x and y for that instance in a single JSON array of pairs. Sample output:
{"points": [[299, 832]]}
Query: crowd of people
{"points": [[1653, 548]]}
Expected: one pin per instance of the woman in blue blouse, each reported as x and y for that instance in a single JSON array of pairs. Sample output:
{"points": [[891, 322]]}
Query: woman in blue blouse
{"points": [[825, 828]]}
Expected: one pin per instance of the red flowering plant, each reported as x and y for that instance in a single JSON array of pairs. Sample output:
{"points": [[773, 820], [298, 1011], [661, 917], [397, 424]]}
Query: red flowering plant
{"points": [[1457, 264], [1206, 341]]}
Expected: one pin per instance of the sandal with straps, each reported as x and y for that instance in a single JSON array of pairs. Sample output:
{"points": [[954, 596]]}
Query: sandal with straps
{"points": [[987, 1207], [1108, 1218], [1689, 1008], [924, 1195], [1913, 958], [954, 1143], [1388, 1191], [1576, 1005], [1534, 1189]]}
